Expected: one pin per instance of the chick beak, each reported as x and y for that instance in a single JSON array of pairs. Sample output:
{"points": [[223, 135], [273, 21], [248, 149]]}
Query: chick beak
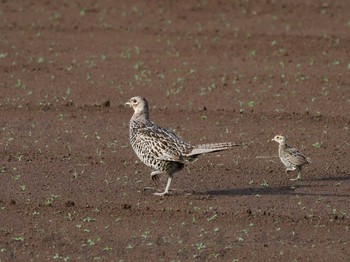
{"points": [[127, 104]]}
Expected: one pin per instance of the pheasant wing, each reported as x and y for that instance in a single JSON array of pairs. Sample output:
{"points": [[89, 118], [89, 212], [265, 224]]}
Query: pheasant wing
{"points": [[296, 157], [162, 143]]}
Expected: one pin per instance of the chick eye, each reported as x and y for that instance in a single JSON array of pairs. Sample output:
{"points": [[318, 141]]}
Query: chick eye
{"points": [[134, 101]]}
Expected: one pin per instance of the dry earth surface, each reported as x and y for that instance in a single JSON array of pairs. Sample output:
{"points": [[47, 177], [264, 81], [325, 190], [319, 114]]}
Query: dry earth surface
{"points": [[72, 189]]}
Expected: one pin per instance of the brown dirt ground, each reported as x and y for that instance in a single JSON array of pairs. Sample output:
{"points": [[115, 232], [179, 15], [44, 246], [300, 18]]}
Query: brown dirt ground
{"points": [[71, 188]]}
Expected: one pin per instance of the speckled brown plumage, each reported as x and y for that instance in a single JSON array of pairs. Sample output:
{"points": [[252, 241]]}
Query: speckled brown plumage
{"points": [[291, 157], [160, 148]]}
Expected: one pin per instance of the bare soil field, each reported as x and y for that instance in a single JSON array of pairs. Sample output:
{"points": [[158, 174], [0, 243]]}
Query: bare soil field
{"points": [[71, 187]]}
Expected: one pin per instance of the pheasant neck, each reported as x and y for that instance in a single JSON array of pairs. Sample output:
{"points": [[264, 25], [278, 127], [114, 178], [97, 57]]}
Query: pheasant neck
{"points": [[283, 145], [141, 115]]}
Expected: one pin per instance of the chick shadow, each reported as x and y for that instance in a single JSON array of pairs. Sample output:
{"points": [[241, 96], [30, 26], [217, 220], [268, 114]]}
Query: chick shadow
{"points": [[282, 190], [269, 191]]}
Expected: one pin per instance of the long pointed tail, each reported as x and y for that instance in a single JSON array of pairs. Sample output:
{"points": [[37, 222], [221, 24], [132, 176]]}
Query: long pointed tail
{"points": [[210, 148]]}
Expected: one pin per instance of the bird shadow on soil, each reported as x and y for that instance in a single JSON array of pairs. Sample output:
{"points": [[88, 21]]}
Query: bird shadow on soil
{"points": [[282, 190], [336, 178]]}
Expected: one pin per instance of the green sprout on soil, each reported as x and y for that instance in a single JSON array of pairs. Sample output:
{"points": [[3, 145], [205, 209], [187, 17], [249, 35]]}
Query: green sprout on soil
{"points": [[92, 242], [55, 16], [240, 239], [82, 12], [35, 213], [274, 42], [241, 103], [19, 238], [250, 103], [129, 246], [89, 219], [265, 183], [194, 220], [49, 201], [57, 256], [60, 117], [41, 60], [252, 53], [212, 218], [20, 84], [88, 76], [107, 248], [68, 217], [146, 234], [204, 117], [200, 246], [317, 145]]}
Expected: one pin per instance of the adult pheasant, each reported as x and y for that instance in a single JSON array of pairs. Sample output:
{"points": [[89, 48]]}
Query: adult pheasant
{"points": [[160, 148]]}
